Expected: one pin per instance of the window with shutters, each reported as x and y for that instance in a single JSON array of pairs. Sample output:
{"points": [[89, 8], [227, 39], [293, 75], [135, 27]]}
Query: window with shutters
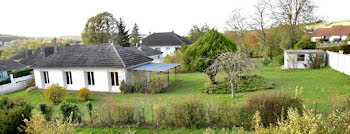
{"points": [[114, 78], [90, 78]]}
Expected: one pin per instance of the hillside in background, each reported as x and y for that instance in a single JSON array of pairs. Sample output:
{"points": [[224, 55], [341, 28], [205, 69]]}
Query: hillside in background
{"points": [[328, 24], [8, 38]]}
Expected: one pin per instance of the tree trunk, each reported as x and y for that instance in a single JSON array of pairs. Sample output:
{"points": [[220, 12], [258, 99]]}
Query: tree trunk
{"points": [[232, 87]]}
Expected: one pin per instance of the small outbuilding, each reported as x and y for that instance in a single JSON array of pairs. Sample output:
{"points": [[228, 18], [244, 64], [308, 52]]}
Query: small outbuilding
{"points": [[302, 59]]}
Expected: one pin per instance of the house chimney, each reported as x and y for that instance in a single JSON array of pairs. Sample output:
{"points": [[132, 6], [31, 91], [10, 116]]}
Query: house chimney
{"points": [[43, 51], [149, 33], [137, 44], [55, 45], [27, 53]]}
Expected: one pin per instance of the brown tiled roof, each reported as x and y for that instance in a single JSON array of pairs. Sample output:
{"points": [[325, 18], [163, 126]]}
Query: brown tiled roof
{"points": [[334, 30]]}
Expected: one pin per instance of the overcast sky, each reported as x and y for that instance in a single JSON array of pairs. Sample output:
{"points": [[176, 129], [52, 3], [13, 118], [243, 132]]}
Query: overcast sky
{"points": [[68, 17]]}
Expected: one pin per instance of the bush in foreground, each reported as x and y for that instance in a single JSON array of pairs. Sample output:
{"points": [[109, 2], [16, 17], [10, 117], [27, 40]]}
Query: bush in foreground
{"points": [[83, 94], [39, 125], [70, 110], [46, 111], [271, 107], [55, 94], [12, 114]]}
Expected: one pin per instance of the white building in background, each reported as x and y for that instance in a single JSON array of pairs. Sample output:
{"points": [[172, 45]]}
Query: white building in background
{"points": [[301, 59], [335, 33], [167, 43]]}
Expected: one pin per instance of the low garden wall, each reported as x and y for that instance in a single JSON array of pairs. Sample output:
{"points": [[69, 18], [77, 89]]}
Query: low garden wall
{"points": [[339, 62], [12, 87]]}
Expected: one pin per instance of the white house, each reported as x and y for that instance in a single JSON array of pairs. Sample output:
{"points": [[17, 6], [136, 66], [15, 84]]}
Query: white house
{"points": [[301, 59], [99, 68], [334, 33], [167, 42], [7, 66]]}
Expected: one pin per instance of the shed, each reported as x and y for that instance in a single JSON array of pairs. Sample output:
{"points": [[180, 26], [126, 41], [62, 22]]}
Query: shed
{"points": [[302, 59]]}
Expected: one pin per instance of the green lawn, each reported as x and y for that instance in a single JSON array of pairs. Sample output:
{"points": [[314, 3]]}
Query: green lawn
{"points": [[317, 86]]}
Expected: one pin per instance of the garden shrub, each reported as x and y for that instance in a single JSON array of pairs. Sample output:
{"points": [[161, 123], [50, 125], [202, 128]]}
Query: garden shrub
{"points": [[178, 57], [222, 114], [23, 72], [5, 81], [280, 59], [271, 107], [305, 43], [38, 125], [46, 111], [317, 61], [156, 86], [12, 114], [244, 84], [70, 110], [346, 48], [126, 88], [265, 61], [55, 94], [31, 82], [307, 123], [139, 115], [188, 113], [112, 114], [83, 94], [89, 108]]}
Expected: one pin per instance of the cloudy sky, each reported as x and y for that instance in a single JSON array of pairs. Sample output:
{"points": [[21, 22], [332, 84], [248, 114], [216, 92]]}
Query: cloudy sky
{"points": [[68, 17]]}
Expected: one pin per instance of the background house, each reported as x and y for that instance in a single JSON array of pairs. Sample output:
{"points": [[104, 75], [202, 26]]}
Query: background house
{"points": [[146, 51], [167, 42], [7, 66], [301, 59], [333, 34], [96, 67]]}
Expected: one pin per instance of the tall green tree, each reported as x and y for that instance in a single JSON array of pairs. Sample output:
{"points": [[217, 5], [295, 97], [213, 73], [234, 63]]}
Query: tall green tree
{"points": [[101, 28], [197, 32], [135, 35], [122, 37], [204, 51]]}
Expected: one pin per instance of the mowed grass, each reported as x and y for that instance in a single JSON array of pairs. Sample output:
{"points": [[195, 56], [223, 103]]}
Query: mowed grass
{"points": [[318, 87]]}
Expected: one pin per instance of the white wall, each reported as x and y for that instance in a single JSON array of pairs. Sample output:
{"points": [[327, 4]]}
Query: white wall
{"points": [[339, 62], [165, 50], [79, 78], [12, 87], [290, 61]]}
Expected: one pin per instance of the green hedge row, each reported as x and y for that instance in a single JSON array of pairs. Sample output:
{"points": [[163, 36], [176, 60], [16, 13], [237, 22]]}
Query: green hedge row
{"points": [[346, 48], [23, 72]]}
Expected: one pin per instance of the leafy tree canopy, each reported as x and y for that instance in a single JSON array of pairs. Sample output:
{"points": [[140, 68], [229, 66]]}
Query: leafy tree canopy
{"points": [[305, 43], [204, 51], [197, 32], [101, 28]]}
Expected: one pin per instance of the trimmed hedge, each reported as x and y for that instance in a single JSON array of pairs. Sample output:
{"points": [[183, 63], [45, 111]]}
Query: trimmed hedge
{"points": [[346, 48], [5, 81], [23, 72]]}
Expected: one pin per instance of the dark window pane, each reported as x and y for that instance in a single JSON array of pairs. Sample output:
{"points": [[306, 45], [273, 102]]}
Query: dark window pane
{"points": [[116, 78], [92, 77], [89, 80], [70, 77], [112, 78]]}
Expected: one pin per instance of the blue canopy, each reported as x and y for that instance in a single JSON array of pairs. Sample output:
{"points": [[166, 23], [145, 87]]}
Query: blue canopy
{"points": [[155, 67]]}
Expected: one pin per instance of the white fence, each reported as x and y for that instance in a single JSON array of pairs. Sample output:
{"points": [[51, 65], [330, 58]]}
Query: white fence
{"points": [[12, 87], [24, 78], [339, 62]]}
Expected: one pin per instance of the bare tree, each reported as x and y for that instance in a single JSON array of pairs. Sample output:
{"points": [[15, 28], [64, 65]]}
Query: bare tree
{"points": [[261, 20], [239, 23], [293, 13], [233, 64]]}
